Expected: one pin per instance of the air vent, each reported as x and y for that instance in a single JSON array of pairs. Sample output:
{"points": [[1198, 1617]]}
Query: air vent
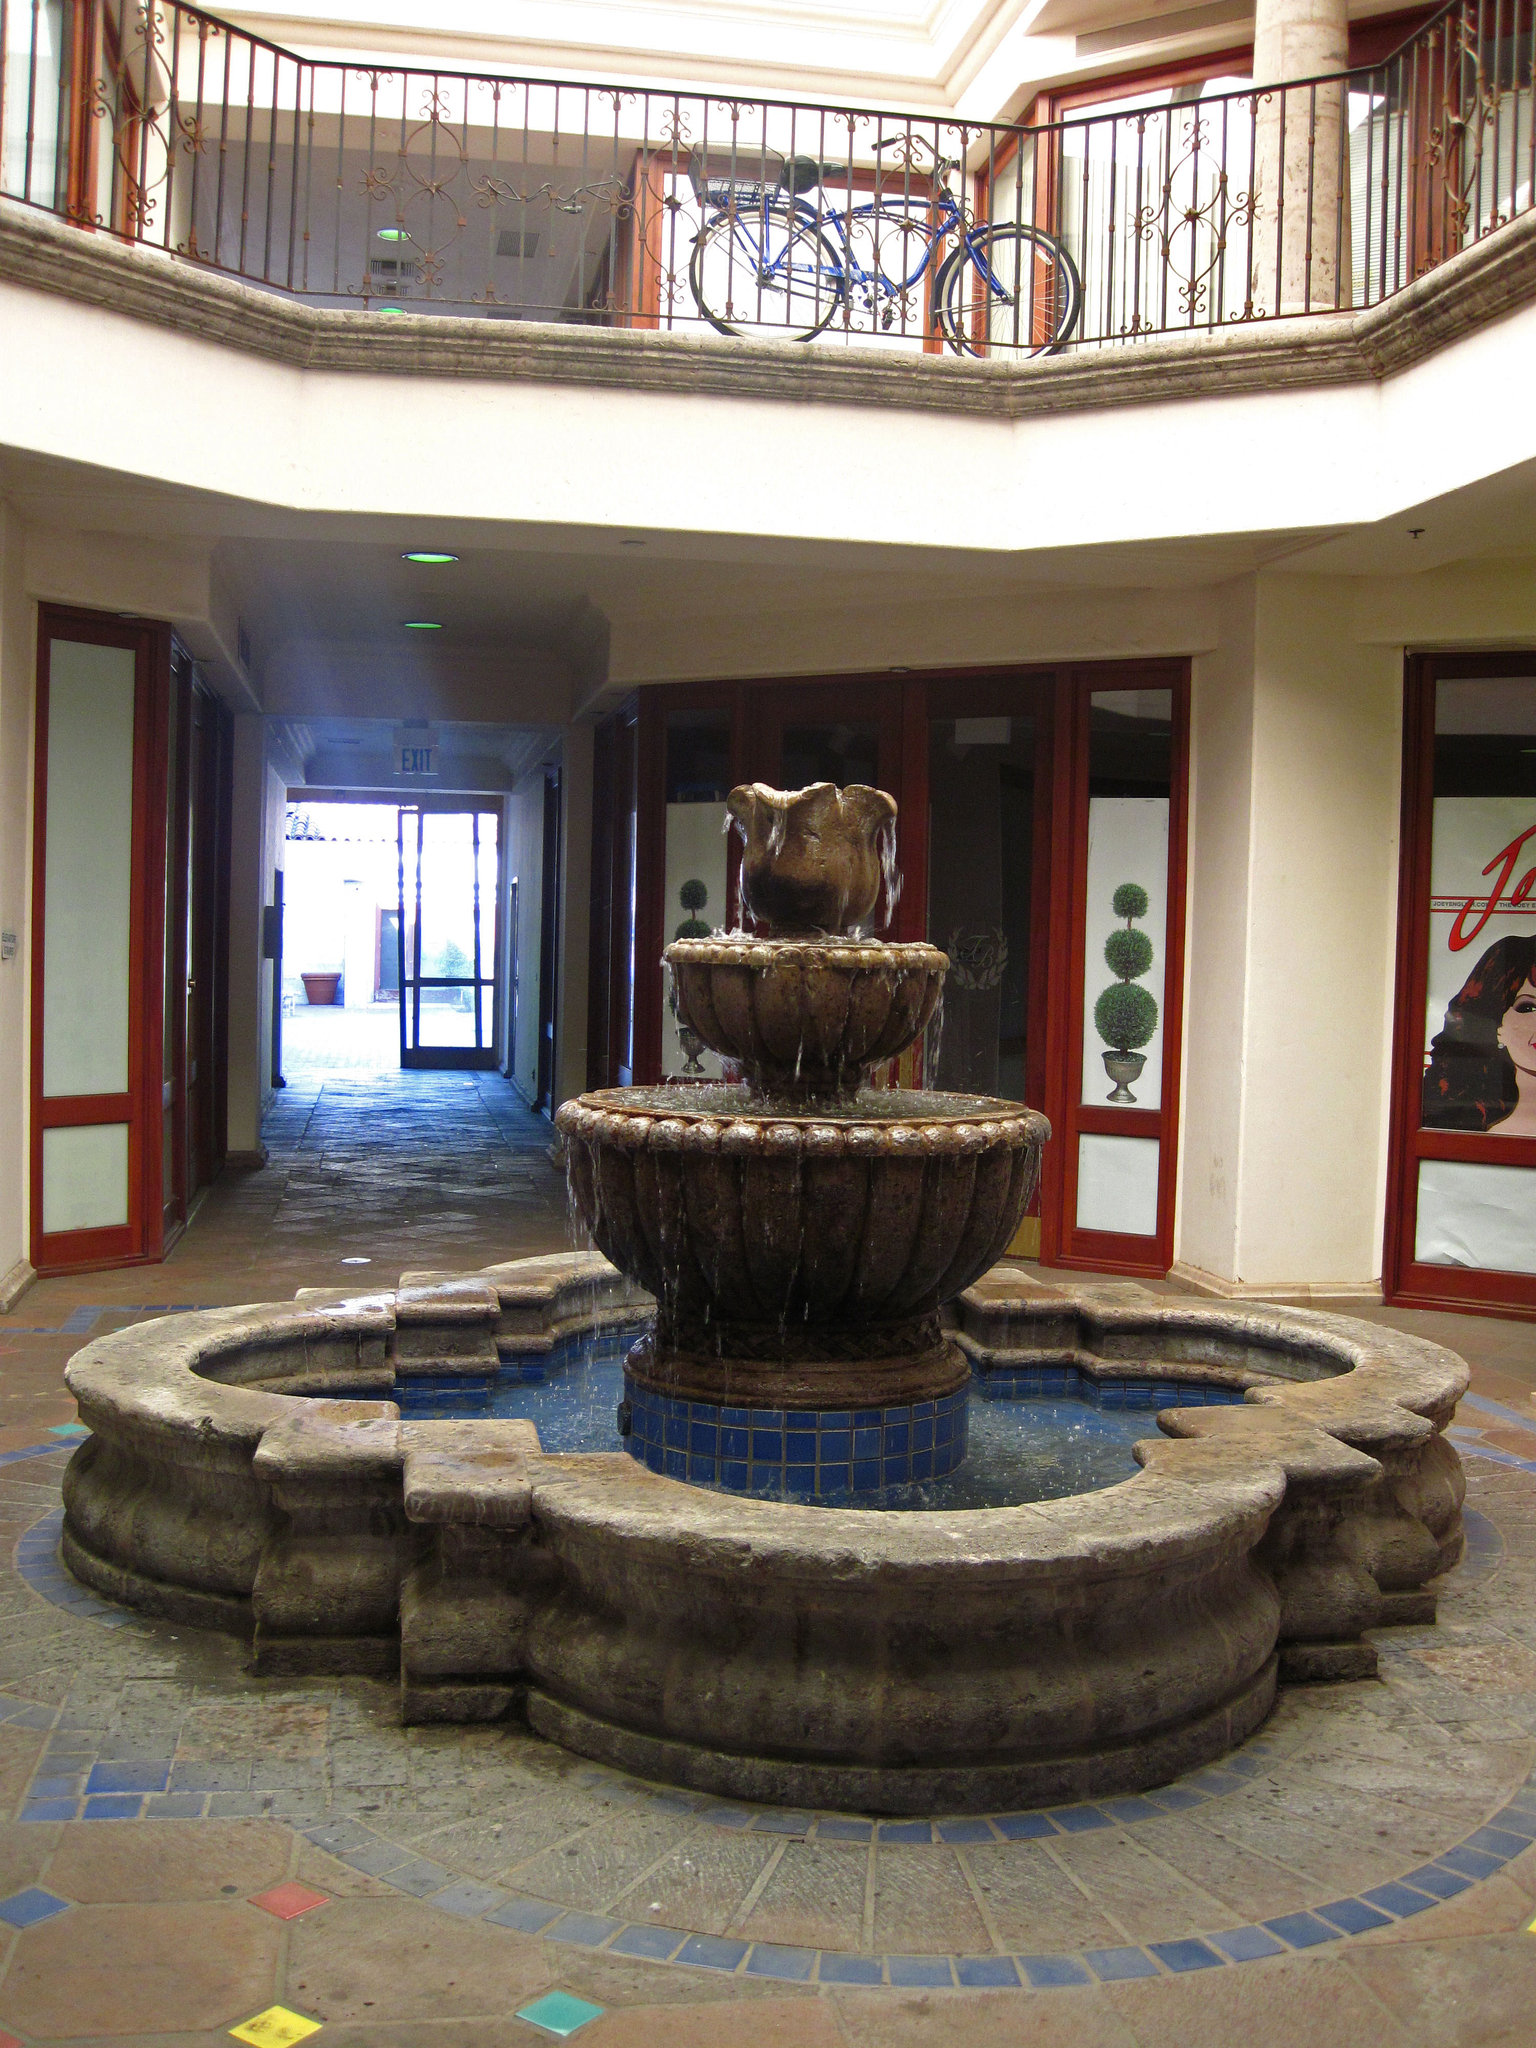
{"points": [[511, 243], [394, 267]]}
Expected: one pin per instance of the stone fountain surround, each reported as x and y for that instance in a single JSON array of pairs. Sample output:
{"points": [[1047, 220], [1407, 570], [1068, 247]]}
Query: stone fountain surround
{"points": [[847, 1658]]}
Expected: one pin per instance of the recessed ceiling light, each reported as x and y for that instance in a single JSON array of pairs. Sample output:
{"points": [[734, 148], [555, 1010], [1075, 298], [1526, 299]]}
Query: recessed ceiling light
{"points": [[391, 235], [422, 625], [357, 1262], [425, 555], [631, 543]]}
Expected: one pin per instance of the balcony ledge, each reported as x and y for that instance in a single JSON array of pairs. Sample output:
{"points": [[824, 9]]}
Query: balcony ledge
{"points": [[1494, 277]]}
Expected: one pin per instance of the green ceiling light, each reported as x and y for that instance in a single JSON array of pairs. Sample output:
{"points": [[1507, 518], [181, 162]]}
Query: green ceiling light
{"points": [[422, 625], [425, 555], [391, 235]]}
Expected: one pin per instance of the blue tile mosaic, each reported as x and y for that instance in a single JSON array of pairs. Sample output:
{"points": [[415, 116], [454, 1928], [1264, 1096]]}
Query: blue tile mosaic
{"points": [[1186, 1955], [921, 1972], [794, 1454], [986, 1971], [1353, 1916], [1302, 1930], [651, 1944]]}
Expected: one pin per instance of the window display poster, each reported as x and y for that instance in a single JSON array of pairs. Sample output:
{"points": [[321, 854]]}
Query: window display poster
{"points": [[1480, 1031], [1125, 950], [696, 879], [1480, 1023]]}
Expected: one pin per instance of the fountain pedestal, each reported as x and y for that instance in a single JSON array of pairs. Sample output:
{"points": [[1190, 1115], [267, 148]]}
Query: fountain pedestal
{"points": [[800, 1232]]}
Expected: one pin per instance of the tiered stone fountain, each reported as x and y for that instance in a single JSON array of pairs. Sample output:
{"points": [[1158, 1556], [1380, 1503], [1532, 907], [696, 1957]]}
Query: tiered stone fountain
{"points": [[802, 1232], [250, 1469]]}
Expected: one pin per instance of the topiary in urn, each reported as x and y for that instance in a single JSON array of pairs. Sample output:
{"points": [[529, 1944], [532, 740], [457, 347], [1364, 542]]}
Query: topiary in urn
{"points": [[1125, 1015]]}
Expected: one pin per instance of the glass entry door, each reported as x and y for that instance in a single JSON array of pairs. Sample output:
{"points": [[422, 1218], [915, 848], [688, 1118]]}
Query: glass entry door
{"points": [[447, 936]]}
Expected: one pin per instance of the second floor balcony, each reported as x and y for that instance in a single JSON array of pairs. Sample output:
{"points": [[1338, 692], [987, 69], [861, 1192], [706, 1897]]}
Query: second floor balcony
{"points": [[420, 192]]}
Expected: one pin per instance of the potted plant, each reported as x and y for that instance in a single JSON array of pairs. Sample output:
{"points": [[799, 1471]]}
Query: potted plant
{"points": [[1125, 1015], [320, 988]]}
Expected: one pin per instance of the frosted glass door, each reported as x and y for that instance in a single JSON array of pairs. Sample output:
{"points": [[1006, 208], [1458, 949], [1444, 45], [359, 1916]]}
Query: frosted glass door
{"points": [[86, 955]]}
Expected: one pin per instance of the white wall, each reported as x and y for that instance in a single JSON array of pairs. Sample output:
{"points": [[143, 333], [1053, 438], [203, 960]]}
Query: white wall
{"points": [[1295, 792], [17, 672], [525, 850]]}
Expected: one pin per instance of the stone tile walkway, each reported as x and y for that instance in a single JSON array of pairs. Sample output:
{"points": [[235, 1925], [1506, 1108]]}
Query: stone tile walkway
{"points": [[185, 1848]]}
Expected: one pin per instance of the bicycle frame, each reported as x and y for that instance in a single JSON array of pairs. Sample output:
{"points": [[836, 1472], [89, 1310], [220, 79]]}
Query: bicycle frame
{"points": [[850, 275]]}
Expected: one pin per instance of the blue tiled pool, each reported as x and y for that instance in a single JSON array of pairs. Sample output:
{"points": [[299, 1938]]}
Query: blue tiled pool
{"points": [[1028, 1441]]}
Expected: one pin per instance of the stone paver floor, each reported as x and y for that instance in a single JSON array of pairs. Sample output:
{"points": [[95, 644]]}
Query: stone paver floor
{"points": [[184, 1847]]}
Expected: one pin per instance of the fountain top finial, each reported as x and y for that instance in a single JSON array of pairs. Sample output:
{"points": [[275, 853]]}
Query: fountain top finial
{"points": [[813, 859]]}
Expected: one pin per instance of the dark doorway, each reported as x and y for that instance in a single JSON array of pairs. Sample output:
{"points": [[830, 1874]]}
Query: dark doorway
{"points": [[549, 958]]}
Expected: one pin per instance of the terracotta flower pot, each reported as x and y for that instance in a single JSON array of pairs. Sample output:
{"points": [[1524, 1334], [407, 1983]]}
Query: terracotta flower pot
{"points": [[320, 988], [811, 862]]}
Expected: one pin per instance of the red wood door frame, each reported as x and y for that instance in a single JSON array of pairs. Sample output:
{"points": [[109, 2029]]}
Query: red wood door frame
{"points": [[1472, 1290], [1062, 1242], [140, 1106]]}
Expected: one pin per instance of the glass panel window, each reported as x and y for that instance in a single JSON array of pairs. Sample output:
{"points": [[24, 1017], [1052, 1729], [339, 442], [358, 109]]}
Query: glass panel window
{"points": [[88, 869], [1125, 938], [30, 114], [1117, 1184], [85, 1177], [831, 753], [981, 813]]}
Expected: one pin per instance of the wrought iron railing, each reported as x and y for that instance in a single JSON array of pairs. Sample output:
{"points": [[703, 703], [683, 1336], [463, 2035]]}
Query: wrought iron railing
{"points": [[426, 191]]}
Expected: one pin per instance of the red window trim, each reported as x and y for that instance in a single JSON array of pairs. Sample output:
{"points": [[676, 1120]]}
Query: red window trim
{"points": [[140, 1106], [1062, 1242], [1477, 1291]]}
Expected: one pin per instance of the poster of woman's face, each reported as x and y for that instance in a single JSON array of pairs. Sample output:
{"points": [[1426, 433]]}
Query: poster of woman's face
{"points": [[1480, 1071]]}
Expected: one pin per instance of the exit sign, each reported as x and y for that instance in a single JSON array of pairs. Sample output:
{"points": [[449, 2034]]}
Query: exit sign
{"points": [[415, 751]]}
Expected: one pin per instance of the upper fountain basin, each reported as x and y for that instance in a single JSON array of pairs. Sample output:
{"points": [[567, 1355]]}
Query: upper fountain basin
{"points": [[805, 1017], [811, 862]]}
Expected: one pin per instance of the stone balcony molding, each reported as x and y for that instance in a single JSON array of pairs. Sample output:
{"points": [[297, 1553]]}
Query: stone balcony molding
{"points": [[1479, 285], [887, 1661]]}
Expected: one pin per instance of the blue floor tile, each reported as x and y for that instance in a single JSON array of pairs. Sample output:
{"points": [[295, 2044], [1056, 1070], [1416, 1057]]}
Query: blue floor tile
{"points": [[1353, 1916], [129, 1777], [586, 1930], [711, 1952], [28, 1908], [1024, 1827], [986, 1971], [1115, 1965], [653, 1944], [1442, 1884], [841, 1969], [769, 1959], [837, 1829], [1400, 1899], [963, 1831], [1186, 1955], [1475, 1863], [1301, 1930], [1247, 1944], [1051, 1972], [1077, 1820], [50, 1809], [906, 1831], [528, 1916], [113, 1806], [920, 1972]]}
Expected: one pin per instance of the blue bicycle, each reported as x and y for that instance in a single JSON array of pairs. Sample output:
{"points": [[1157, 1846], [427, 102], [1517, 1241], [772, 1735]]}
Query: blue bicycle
{"points": [[770, 262]]}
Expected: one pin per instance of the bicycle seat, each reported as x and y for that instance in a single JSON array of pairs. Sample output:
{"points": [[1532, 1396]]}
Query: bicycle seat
{"points": [[803, 173]]}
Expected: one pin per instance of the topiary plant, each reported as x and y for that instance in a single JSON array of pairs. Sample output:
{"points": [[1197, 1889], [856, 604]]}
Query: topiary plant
{"points": [[693, 896], [1125, 1015]]}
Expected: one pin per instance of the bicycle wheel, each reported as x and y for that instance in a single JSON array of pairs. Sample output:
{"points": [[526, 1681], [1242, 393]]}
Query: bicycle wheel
{"points": [[762, 269], [1012, 288]]}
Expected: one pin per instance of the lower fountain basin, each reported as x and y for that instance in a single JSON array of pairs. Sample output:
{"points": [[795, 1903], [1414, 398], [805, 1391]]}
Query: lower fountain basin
{"points": [[954, 1659]]}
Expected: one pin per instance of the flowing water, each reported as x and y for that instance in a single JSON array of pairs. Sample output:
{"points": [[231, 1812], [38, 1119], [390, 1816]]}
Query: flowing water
{"points": [[869, 1106]]}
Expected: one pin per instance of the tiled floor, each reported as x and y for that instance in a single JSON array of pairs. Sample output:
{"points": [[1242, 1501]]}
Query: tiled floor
{"points": [[189, 1854]]}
